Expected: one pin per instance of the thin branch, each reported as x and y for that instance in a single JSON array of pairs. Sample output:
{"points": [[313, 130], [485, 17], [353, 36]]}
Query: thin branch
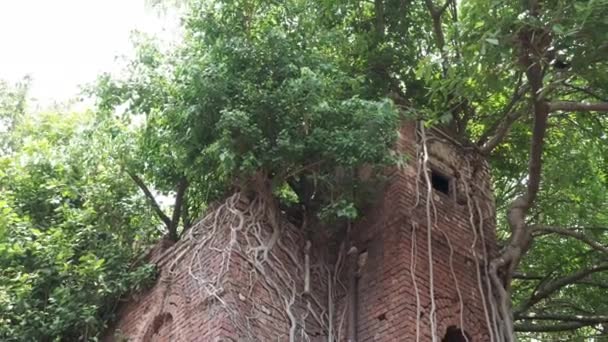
{"points": [[501, 132], [555, 285], [542, 230], [570, 106], [159, 212], [498, 128], [379, 8], [442, 9], [569, 326], [586, 91], [182, 186], [436, 14], [535, 277], [437, 11], [562, 304], [568, 322], [594, 319], [592, 283]]}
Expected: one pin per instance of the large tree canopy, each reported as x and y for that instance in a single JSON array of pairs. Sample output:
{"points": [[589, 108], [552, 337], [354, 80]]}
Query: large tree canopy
{"points": [[72, 225], [304, 93], [290, 87]]}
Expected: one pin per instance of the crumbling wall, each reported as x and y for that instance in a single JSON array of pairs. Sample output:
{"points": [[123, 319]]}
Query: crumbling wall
{"points": [[171, 310], [218, 285], [394, 279]]}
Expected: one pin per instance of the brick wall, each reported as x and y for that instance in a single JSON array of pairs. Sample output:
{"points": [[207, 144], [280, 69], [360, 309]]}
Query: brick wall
{"points": [[246, 305], [393, 268], [393, 249]]}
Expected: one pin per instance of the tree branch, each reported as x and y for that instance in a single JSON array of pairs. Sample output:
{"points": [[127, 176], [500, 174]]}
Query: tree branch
{"points": [[495, 134], [520, 239], [568, 326], [568, 322], [592, 283], [501, 131], [569, 106], [379, 8], [182, 186], [159, 212], [586, 91], [436, 14], [593, 319], [442, 9], [186, 219], [534, 277], [553, 286], [437, 11], [542, 230], [502, 267]]}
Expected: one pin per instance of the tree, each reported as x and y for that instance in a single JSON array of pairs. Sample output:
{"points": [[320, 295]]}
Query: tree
{"points": [[238, 101], [13, 100], [72, 228], [522, 80]]}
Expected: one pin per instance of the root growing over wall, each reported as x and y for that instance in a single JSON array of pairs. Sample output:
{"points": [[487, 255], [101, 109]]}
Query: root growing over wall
{"points": [[491, 292], [249, 235]]}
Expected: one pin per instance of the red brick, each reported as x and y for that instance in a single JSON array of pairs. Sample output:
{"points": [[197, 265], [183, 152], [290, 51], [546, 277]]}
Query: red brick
{"points": [[173, 311]]}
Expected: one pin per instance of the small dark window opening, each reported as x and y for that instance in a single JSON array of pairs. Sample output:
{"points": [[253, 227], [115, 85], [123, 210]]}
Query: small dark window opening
{"points": [[440, 182], [454, 334]]}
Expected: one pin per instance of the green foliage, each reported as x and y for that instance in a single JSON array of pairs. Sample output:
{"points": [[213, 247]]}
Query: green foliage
{"points": [[252, 90], [574, 195], [298, 92], [13, 99], [574, 189], [71, 225]]}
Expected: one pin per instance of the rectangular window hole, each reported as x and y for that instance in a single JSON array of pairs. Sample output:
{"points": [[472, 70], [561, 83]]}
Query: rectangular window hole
{"points": [[440, 182], [382, 317]]}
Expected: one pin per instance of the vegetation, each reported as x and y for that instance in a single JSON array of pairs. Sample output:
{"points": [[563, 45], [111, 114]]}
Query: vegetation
{"points": [[72, 224], [301, 94]]}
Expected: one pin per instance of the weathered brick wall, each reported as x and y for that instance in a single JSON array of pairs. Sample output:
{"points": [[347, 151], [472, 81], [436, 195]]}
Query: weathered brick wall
{"points": [[396, 268], [171, 310], [247, 305], [393, 268]]}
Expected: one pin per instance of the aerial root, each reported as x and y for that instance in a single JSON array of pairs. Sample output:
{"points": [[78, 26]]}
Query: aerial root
{"points": [[250, 236], [494, 297]]}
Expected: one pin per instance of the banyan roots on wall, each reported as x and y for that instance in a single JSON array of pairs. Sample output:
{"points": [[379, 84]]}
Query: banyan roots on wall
{"points": [[414, 268]]}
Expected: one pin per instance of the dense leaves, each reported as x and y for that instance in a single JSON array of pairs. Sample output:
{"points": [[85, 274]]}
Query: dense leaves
{"points": [[253, 90], [304, 94], [71, 226], [267, 86]]}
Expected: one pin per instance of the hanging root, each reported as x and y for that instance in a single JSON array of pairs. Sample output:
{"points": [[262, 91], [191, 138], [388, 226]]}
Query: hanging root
{"points": [[453, 273], [430, 223], [413, 257], [249, 236], [494, 297], [473, 251]]}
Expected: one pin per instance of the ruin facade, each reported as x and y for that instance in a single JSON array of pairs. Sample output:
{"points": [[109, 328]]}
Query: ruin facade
{"points": [[412, 269]]}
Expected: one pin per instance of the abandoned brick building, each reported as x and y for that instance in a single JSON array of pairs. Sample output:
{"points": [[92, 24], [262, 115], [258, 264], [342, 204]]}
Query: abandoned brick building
{"points": [[236, 279]]}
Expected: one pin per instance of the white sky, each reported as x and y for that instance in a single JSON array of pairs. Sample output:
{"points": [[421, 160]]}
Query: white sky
{"points": [[62, 44]]}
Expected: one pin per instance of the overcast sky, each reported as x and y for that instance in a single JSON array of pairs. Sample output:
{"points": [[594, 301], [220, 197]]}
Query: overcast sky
{"points": [[64, 43]]}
